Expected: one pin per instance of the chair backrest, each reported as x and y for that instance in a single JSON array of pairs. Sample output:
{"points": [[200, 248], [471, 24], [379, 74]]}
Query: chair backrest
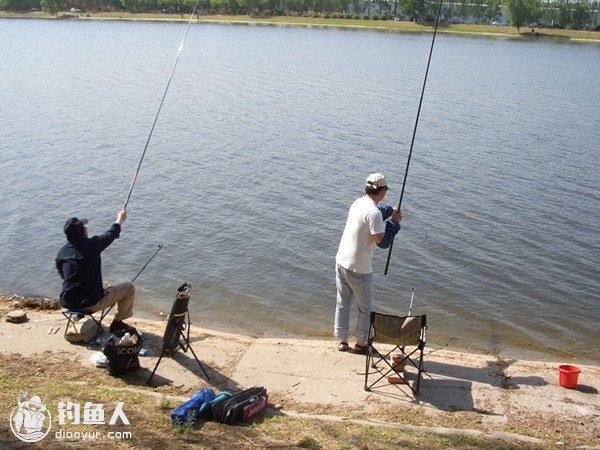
{"points": [[407, 330]]}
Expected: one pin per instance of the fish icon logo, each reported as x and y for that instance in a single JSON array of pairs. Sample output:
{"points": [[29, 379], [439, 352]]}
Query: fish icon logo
{"points": [[28, 419]]}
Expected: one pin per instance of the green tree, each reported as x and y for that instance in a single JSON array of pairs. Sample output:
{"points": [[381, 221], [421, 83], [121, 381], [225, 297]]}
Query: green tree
{"points": [[563, 16], [131, 5], [251, 6], [205, 5], [478, 10], [465, 9], [357, 6], [53, 6], [580, 14], [297, 6], [270, 6], [88, 5], [415, 9], [493, 10], [18, 5], [343, 5], [334, 5], [225, 6], [521, 12], [110, 5], [594, 8]]}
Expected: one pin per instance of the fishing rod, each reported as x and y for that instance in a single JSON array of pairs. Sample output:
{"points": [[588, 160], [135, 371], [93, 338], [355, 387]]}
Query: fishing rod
{"points": [[160, 246], [412, 142], [160, 106]]}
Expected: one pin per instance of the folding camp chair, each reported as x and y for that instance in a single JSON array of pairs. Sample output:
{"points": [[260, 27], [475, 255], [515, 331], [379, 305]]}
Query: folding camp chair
{"points": [[407, 337], [73, 316]]}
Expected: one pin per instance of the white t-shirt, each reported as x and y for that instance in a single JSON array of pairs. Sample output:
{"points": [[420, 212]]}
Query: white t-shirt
{"points": [[355, 252]]}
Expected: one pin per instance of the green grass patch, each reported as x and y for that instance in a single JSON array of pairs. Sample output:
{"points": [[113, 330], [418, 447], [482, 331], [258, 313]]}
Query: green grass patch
{"points": [[57, 377]]}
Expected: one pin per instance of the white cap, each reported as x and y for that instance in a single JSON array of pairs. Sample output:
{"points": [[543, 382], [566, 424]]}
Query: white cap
{"points": [[377, 180]]}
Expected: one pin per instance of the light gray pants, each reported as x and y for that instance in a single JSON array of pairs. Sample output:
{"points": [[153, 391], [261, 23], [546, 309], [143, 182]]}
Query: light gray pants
{"points": [[351, 284]]}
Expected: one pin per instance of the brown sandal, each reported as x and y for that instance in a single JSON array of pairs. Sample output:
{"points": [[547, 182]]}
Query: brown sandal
{"points": [[343, 347], [359, 349]]}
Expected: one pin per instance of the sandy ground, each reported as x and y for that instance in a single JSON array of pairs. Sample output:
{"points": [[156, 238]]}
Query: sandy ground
{"points": [[459, 391]]}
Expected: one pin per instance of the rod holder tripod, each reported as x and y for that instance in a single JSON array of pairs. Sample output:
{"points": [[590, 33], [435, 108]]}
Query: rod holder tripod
{"points": [[177, 333]]}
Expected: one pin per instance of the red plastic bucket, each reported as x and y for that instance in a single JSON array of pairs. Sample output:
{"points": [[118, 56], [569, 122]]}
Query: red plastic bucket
{"points": [[567, 376]]}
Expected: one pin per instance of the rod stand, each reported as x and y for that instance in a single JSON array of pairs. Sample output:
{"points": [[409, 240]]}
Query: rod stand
{"points": [[178, 328]]}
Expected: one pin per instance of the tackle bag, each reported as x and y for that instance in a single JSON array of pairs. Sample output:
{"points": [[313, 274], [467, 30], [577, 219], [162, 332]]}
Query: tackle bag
{"points": [[206, 410], [122, 358], [241, 407], [191, 410]]}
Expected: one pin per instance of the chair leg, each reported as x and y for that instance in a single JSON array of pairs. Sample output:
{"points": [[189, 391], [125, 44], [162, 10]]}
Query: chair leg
{"points": [[70, 323], [367, 366], [420, 370]]}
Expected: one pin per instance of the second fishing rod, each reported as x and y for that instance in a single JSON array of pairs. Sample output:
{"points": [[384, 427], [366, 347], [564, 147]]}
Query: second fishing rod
{"points": [[412, 142]]}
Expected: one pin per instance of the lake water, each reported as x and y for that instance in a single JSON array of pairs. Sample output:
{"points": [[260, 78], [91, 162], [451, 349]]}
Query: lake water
{"points": [[265, 138]]}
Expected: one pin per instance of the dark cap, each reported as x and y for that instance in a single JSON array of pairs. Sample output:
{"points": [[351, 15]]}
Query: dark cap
{"points": [[74, 227]]}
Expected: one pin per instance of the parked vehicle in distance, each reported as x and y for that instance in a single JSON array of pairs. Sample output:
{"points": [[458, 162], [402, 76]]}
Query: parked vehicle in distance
{"points": [[75, 9], [454, 21], [499, 23]]}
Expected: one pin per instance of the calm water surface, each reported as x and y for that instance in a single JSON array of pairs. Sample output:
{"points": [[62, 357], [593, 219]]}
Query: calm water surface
{"points": [[265, 139]]}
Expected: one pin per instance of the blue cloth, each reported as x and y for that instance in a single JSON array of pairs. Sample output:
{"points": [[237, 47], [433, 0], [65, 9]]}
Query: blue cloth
{"points": [[206, 412], [79, 264], [191, 409], [386, 211], [391, 229]]}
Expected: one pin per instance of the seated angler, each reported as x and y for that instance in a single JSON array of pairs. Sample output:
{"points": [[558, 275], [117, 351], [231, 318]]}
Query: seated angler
{"points": [[80, 266]]}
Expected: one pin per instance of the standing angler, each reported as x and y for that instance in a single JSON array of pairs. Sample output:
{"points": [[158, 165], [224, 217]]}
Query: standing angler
{"points": [[366, 226], [80, 266]]}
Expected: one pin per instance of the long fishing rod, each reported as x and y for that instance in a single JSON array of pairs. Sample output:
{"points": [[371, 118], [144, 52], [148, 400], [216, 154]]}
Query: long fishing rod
{"points": [[160, 246], [412, 142], [160, 106]]}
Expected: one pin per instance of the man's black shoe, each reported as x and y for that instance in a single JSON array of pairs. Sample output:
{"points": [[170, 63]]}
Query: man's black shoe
{"points": [[118, 325]]}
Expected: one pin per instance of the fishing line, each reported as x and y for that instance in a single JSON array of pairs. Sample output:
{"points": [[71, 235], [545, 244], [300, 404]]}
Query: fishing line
{"points": [[160, 246], [138, 274], [160, 106], [412, 142]]}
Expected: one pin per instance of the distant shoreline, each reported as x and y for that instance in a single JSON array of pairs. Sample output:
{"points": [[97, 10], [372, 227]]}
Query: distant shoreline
{"points": [[377, 25]]}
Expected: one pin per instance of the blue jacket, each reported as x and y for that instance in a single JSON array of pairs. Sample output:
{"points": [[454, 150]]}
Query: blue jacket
{"points": [[80, 266]]}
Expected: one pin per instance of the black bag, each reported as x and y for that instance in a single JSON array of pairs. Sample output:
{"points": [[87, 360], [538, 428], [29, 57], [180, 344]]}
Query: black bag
{"points": [[178, 320], [122, 358], [241, 407]]}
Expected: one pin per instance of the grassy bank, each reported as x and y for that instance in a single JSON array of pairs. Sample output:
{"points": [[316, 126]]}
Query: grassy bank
{"points": [[57, 371], [383, 25], [56, 377]]}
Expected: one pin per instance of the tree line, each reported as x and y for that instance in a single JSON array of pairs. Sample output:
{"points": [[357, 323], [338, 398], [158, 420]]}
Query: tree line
{"points": [[578, 15]]}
